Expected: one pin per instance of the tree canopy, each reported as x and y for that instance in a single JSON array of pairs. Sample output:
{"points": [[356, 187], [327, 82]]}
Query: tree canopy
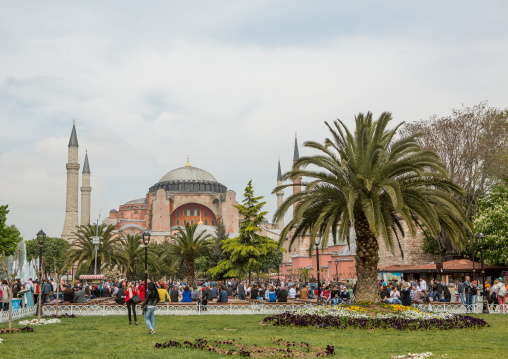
{"points": [[247, 251], [492, 221], [52, 249], [9, 235]]}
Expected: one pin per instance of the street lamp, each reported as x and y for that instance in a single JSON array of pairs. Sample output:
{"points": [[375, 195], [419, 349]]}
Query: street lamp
{"points": [[146, 242], [336, 270], [317, 243], [41, 238], [96, 241], [135, 267], [485, 309]]}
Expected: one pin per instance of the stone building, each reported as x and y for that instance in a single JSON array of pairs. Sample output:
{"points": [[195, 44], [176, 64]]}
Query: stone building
{"points": [[184, 195]]}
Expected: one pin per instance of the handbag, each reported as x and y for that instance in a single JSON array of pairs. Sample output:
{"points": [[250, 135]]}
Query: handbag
{"points": [[136, 299]]}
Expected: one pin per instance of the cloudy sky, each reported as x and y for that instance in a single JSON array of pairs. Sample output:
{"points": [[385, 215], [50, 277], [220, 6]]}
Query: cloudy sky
{"points": [[227, 82]]}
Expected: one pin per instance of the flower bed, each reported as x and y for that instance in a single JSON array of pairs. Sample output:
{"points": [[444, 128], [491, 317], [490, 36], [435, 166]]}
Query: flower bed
{"points": [[16, 330], [406, 318], [283, 348], [60, 316], [39, 322]]}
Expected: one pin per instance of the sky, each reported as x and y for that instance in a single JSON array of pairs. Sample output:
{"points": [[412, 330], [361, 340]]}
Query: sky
{"points": [[226, 82]]}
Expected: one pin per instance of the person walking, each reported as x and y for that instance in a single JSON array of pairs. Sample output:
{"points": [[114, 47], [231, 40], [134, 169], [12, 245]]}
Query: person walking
{"points": [[4, 296], [130, 293], [468, 289], [501, 295], [148, 306]]}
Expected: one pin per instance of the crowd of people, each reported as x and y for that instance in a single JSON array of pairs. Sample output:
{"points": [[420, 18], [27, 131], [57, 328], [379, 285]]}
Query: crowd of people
{"points": [[466, 292]]}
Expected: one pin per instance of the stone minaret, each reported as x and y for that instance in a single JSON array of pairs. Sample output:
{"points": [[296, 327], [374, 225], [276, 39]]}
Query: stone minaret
{"points": [[85, 193], [297, 181], [71, 207], [280, 196]]}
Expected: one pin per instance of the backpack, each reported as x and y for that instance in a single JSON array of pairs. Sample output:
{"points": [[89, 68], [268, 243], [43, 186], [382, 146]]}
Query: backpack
{"points": [[502, 291], [273, 297]]}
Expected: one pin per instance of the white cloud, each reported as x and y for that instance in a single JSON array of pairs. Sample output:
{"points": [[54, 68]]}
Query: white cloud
{"points": [[227, 84]]}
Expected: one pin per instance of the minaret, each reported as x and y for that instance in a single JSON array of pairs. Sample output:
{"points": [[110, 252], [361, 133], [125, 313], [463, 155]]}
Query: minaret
{"points": [[85, 193], [297, 181], [71, 207], [280, 197]]}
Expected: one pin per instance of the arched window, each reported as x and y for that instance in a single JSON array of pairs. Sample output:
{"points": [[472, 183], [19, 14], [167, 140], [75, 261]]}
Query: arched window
{"points": [[192, 210], [206, 213], [199, 212], [178, 213], [192, 222], [184, 212], [184, 222], [213, 222], [177, 222], [206, 222]]}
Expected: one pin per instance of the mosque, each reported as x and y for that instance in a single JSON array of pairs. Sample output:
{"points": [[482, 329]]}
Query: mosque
{"points": [[192, 195]]}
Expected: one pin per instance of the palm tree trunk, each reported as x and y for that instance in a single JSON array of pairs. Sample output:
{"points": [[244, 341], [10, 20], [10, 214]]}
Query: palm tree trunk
{"points": [[367, 259], [190, 272]]}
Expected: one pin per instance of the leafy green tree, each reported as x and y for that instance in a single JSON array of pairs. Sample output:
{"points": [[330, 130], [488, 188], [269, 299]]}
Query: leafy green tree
{"points": [[369, 181], [189, 246], [83, 250], [160, 262], [216, 254], [53, 249], [9, 235], [492, 221], [248, 250]]}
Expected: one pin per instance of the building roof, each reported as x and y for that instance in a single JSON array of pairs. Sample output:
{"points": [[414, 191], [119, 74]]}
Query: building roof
{"points": [[86, 166], [113, 211], [137, 201], [188, 173], [73, 141]]}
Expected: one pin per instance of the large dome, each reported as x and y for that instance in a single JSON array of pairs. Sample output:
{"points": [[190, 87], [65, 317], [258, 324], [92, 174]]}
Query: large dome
{"points": [[189, 179], [188, 173]]}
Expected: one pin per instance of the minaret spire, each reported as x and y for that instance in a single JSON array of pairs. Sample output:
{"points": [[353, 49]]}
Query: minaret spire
{"points": [[296, 154], [280, 196], [71, 207], [85, 192]]}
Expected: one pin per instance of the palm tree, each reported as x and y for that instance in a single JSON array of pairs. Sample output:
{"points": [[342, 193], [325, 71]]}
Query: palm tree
{"points": [[188, 247], [130, 249], [373, 183], [83, 250]]}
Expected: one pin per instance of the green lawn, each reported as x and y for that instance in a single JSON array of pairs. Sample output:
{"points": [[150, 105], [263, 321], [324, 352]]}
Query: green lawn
{"points": [[111, 337]]}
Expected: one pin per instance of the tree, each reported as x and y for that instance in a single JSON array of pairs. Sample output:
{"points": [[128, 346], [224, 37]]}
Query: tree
{"points": [[473, 144], [249, 249], [59, 271], [492, 221], [216, 254], [160, 261], [130, 248], [83, 251], [188, 247], [371, 182], [53, 249], [9, 235]]}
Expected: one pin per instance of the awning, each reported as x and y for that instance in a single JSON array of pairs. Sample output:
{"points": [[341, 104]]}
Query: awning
{"points": [[91, 276]]}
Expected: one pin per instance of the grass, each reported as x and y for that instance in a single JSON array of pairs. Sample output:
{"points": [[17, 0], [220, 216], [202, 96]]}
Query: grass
{"points": [[111, 337]]}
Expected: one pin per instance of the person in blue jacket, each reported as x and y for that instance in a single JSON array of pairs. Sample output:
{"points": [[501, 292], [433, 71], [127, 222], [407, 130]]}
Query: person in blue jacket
{"points": [[186, 295]]}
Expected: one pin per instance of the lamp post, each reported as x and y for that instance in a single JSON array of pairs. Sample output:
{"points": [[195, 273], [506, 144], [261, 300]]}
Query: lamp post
{"points": [[336, 270], [472, 254], [146, 242], [135, 267], [96, 241], [317, 243], [41, 238], [485, 309]]}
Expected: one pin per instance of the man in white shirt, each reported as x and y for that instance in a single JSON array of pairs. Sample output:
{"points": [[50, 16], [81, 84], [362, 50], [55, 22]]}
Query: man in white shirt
{"points": [[395, 296], [292, 293], [423, 285]]}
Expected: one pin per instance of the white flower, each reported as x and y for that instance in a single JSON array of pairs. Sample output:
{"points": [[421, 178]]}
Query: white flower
{"points": [[41, 322], [1, 340]]}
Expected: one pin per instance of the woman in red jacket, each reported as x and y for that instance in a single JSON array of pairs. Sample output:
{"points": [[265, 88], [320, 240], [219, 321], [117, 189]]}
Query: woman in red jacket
{"points": [[130, 291], [141, 291]]}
